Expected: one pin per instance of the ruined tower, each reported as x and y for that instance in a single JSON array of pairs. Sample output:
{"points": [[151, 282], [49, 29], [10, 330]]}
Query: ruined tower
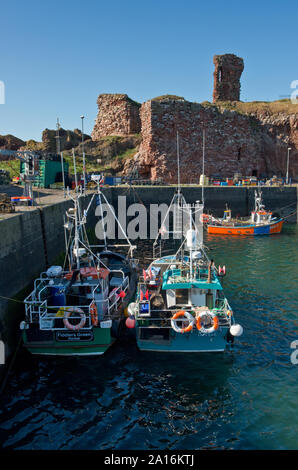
{"points": [[117, 115], [227, 73]]}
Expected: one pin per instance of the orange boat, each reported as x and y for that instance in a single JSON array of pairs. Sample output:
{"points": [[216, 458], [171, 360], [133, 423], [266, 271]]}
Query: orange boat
{"points": [[260, 222], [268, 229]]}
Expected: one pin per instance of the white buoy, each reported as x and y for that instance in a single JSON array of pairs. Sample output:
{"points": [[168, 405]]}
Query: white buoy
{"points": [[196, 255], [191, 238], [78, 252], [236, 330], [54, 271], [132, 308]]}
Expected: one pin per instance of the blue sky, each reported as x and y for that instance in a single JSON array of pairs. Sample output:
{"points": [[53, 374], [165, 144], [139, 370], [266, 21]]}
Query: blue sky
{"points": [[57, 56]]}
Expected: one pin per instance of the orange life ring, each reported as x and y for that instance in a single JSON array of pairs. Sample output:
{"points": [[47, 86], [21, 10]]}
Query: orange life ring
{"points": [[68, 314], [207, 330], [205, 218], [94, 314], [179, 314]]}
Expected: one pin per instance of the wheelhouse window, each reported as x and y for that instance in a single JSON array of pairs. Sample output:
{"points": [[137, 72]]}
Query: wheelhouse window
{"points": [[182, 296]]}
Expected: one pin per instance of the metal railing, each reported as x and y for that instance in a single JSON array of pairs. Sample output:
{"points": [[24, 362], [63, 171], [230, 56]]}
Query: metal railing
{"points": [[53, 320], [150, 321], [38, 311], [165, 323]]}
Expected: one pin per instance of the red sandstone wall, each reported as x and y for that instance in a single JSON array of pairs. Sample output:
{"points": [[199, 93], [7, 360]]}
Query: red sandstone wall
{"points": [[227, 73], [117, 115], [234, 142]]}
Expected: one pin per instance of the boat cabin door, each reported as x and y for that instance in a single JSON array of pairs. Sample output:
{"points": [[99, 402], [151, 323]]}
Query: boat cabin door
{"points": [[197, 297], [171, 298]]}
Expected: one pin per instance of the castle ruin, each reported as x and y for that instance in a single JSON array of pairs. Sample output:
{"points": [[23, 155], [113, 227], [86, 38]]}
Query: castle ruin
{"points": [[227, 73], [117, 115], [250, 142]]}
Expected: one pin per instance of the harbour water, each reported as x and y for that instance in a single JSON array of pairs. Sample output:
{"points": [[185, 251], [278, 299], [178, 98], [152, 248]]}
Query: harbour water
{"points": [[243, 399]]}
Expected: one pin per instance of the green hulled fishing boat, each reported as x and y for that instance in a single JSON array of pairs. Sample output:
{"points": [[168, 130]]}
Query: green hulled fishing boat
{"points": [[76, 309]]}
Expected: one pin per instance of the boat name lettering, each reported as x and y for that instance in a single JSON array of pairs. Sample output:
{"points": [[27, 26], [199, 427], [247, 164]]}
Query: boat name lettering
{"points": [[74, 336]]}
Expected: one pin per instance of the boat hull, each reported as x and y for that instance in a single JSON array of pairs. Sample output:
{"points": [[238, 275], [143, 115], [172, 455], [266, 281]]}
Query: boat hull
{"points": [[253, 230], [192, 342], [50, 343]]}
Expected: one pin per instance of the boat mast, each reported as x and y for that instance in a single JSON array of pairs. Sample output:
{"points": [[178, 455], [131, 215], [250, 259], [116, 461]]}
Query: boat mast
{"points": [[84, 159], [178, 162], [99, 202], [203, 166], [179, 194], [190, 248], [76, 240]]}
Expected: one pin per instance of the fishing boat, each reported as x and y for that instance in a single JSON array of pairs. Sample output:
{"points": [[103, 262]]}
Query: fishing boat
{"points": [[76, 309], [180, 304], [260, 222]]}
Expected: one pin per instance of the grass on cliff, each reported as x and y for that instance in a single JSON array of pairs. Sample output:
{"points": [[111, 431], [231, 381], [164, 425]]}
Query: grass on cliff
{"points": [[254, 107], [168, 97], [93, 166], [12, 166]]}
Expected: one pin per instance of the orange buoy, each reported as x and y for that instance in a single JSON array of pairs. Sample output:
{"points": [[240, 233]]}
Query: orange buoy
{"points": [[94, 314]]}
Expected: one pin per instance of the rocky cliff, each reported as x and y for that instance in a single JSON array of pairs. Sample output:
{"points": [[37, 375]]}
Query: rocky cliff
{"points": [[10, 142], [68, 139]]}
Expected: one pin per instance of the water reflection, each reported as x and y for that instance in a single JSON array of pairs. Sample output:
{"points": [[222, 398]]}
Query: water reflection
{"points": [[127, 399]]}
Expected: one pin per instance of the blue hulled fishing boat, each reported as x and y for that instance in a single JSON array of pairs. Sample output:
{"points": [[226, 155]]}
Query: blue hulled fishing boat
{"points": [[180, 304]]}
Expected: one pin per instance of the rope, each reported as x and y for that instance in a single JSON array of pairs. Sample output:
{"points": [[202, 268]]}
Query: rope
{"points": [[9, 298], [281, 208], [289, 215]]}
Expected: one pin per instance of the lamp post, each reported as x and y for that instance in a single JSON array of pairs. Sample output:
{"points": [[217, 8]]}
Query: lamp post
{"points": [[287, 175], [84, 163]]}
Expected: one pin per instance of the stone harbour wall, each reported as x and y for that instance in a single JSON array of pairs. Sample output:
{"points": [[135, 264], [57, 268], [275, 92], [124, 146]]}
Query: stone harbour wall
{"points": [[29, 243]]}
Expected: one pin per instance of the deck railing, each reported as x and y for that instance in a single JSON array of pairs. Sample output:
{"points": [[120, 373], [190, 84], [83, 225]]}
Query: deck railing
{"points": [[154, 320], [50, 317]]}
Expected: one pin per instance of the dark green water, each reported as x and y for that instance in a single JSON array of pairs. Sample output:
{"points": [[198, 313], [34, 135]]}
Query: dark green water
{"points": [[245, 399]]}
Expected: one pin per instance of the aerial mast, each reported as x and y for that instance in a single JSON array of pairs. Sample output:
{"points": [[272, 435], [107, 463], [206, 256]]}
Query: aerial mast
{"points": [[178, 162], [203, 166], [58, 150], [84, 162]]}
